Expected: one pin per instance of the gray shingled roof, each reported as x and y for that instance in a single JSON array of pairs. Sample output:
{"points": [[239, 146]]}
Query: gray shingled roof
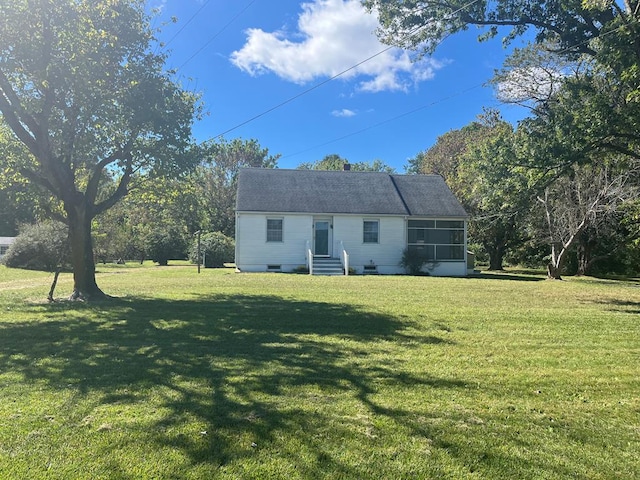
{"points": [[319, 191]]}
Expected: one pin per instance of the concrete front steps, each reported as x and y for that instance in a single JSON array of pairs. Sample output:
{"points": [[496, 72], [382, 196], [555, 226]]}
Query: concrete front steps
{"points": [[327, 266]]}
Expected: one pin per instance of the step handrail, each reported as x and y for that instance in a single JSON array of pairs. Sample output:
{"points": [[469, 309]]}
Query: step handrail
{"points": [[344, 258], [309, 256]]}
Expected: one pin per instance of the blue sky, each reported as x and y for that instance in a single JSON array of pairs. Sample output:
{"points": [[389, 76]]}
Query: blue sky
{"points": [[248, 56]]}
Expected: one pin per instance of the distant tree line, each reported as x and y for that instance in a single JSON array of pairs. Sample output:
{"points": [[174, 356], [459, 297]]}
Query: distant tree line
{"points": [[96, 133]]}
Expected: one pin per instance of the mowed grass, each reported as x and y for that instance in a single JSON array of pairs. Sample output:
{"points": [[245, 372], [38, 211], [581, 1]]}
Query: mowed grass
{"points": [[243, 376]]}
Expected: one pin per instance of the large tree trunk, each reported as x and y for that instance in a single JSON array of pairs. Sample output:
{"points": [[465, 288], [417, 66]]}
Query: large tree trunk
{"points": [[553, 271], [496, 253], [80, 242], [584, 258], [555, 265], [495, 259]]}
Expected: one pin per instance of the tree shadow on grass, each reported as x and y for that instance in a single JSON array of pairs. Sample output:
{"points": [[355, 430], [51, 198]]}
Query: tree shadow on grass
{"points": [[519, 276], [621, 306], [228, 363]]}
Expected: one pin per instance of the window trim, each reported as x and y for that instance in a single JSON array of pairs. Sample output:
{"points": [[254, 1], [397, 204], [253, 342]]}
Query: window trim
{"points": [[364, 232], [281, 229]]}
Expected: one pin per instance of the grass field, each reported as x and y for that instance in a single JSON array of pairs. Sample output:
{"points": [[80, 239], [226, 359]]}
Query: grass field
{"points": [[243, 376]]}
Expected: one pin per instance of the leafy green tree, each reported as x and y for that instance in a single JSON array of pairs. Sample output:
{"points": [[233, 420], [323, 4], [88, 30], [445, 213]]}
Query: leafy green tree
{"points": [[478, 164], [572, 24], [336, 162], [114, 236], [83, 89], [495, 192], [329, 162], [443, 157], [216, 179], [127, 230], [165, 241], [581, 110]]}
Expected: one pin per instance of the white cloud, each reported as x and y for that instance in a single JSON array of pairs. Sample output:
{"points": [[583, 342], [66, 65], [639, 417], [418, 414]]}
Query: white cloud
{"points": [[345, 112], [332, 36]]}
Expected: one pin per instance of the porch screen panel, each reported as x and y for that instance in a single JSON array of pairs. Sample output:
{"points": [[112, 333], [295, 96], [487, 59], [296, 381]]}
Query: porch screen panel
{"points": [[437, 240]]}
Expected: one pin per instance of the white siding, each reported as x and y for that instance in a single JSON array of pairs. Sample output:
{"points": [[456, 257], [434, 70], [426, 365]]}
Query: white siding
{"points": [[385, 254], [5, 243], [254, 253]]}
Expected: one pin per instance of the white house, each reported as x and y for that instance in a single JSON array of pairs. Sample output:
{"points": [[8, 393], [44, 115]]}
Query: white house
{"points": [[328, 220], [5, 243]]}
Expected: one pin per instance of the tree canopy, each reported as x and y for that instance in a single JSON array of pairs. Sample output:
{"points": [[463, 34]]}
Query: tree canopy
{"points": [[334, 161], [82, 87], [598, 40], [572, 24], [216, 179]]}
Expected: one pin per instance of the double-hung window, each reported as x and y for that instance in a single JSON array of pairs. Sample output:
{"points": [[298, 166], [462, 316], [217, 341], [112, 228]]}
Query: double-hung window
{"points": [[371, 231], [274, 230]]}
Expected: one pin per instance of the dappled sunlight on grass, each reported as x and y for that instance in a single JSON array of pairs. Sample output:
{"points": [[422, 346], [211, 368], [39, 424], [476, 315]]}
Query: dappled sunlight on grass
{"points": [[250, 376], [222, 362]]}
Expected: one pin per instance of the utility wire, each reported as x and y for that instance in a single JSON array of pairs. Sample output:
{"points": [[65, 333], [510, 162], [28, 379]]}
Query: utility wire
{"points": [[291, 99], [431, 104], [217, 34], [187, 22], [397, 117], [384, 122], [324, 82]]}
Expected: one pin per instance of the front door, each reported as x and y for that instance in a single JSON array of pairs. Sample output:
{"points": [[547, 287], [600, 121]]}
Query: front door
{"points": [[322, 238]]}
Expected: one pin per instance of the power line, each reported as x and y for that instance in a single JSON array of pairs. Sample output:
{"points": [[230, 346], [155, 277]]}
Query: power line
{"points": [[291, 99], [431, 104], [187, 22], [384, 122], [217, 34], [376, 125], [324, 82]]}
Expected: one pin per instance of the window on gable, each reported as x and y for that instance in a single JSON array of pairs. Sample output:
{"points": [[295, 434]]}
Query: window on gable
{"points": [[274, 230], [371, 231]]}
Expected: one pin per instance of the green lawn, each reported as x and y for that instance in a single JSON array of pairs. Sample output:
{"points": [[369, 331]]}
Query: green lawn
{"points": [[243, 376]]}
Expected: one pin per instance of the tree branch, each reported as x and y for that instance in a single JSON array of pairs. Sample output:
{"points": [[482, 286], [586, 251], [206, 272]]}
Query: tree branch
{"points": [[16, 117], [91, 192], [39, 179], [120, 192], [526, 22]]}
